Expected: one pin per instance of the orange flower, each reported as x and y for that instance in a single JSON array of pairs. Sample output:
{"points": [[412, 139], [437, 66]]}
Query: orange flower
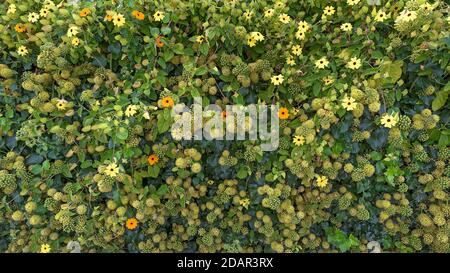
{"points": [[152, 159], [224, 114], [158, 41], [20, 28], [132, 223], [108, 17], [167, 102], [283, 113], [85, 12], [138, 15]]}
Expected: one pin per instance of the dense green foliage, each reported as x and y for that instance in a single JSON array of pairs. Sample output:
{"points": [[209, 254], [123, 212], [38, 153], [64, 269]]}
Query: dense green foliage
{"points": [[88, 162]]}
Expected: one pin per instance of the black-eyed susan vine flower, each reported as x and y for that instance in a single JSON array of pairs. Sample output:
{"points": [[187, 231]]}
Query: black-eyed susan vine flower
{"points": [[200, 39], [22, 50], [352, 2], [354, 63], [45, 248], [61, 104], [33, 17], [11, 9], [298, 140], [158, 16], [118, 20], [283, 113], [75, 41], [277, 79], [247, 15], [297, 50], [329, 10], [322, 63], [322, 181], [131, 110], [167, 102], [111, 170], [349, 103], [20, 28], [347, 27], [152, 159], [84, 12], [388, 120], [131, 223], [138, 15], [269, 13], [284, 18], [73, 31], [245, 202]]}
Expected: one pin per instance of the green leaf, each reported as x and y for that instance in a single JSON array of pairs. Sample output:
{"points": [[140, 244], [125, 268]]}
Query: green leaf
{"points": [[162, 190], [441, 98]]}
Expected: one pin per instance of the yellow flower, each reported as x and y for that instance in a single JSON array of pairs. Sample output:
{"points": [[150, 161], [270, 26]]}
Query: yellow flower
{"points": [[257, 35], [303, 26], [328, 80], [109, 15], [381, 16], [279, 5], [33, 17], [347, 27], [407, 16], [297, 50], [44, 12], [329, 10], [11, 9], [20, 28], [200, 39], [45, 248], [354, 63], [322, 63], [268, 13], [118, 20], [322, 181], [85, 12], [72, 31], [61, 104], [75, 41], [290, 60], [284, 18], [251, 41], [22, 51], [352, 2], [247, 15], [298, 140], [427, 7], [244, 202], [111, 170], [158, 16], [389, 121], [300, 35], [349, 103], [131, 110], [277, 80]]}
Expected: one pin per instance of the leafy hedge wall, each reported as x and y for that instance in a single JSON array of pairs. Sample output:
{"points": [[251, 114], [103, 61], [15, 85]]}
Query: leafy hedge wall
{"points": [[88, 163]]}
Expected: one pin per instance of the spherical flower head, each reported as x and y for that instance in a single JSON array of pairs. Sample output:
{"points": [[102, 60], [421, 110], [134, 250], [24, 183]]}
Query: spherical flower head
{"points": [[33, 17], [283, 113], [322, 63], [297, 50], [298, 140], [118, 20], [72, 31], [85, 12], [349, 103], [131, 110], [277, 79], [354, 63], [284, 18], [329, 10], [131, 223], [45, 248], [152, 159], [22, 51], [200, 39], [112, 170], [75, 41], [167, 102], [11, 9], [347, 27], [303, 26], [269, 13], [381, 16], [322, 181], [389, 120], [290, 60], [158, 16], [352, 2]]}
